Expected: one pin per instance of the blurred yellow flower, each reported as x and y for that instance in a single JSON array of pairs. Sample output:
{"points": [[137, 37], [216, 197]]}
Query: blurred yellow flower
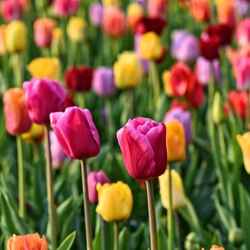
{"points": [[127, 70], [176, 144], [150, 47], [226, 11], [2, 39], [76, 29], [35, 134], [244, 142], [111, 2], [178, 194], [166, 77], [134, 12], [217, 108], [16, 37], [115, 201], [44, 67]]}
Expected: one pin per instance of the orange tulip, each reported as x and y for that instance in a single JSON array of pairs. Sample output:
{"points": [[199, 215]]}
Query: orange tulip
{"points": [[27, 242], [17, 120], [226, 11], [200, 9]]}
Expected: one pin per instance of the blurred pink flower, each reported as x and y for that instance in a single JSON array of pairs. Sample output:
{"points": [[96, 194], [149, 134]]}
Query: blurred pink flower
{"points": [[243, 32], [65, 8], [13, 9], [157, 8]]}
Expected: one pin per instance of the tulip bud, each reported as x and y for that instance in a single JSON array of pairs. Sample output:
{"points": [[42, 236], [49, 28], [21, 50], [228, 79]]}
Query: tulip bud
{"points": [[44, 67], [129, 63], [176, 144], [16, 37], [96, 13], [65, 8], [217, 108], [179, 199], [143, 146], [42, 98], [200, 9], [244, 142], [28, 241], [34, 134], [94, 178], [82, 128], [17, 120], [115, 201], [76, 29]]}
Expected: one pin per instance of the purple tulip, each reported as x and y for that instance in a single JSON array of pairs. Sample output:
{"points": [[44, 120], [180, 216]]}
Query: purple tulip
{"points": [[76, 132], [143, 145], [42, 97], [94, 178], [206, 70], [103, 82], [96, 13], [185, 46], [57, 153], [184, 117], [243, 7]]}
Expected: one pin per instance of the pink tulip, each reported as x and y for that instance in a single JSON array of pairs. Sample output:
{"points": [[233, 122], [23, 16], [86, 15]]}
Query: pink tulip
{"points": [[43, 97], [65, 8], [13, 9], [243, 32], [94, 178], [157, 8], [143, 145], [76, 132]]}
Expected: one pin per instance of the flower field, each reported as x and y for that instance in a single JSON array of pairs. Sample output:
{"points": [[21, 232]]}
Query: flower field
{"points": [[125, 125]]}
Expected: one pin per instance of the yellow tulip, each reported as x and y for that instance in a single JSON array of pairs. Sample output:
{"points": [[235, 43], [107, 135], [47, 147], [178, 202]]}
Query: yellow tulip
{"points": [[178, 194], [127, 70], [115, 201], [34, 135], [45, 67], [16, 37], [76, 28], [111, 2], [244, 142], [134, 12], [166, 77], [176, 144], [217, 108], [150, 46]]}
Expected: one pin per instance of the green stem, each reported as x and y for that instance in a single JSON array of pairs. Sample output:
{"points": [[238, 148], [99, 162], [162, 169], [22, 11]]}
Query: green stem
{"points": [[103, 233], [151, 215], [17, 67], [110, 125], [21, 177], [170, 212], [50, 192], [88, 228], [116, 235]]}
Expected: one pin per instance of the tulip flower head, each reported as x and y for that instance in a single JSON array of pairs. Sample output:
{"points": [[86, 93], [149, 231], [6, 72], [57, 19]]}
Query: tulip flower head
{"points": [[157, 8], [76, 132], [179, 198], [43, 97], [13, 9], [243, 32], [76, 29], [17, 120], [94, 178], [28, 241], [244, 142], [65, 8], [200, 9], [110, 3], [34, 134], [134, 12], [115, 201], [143, 146], [226, 11], [176, 143], [96, 13]]}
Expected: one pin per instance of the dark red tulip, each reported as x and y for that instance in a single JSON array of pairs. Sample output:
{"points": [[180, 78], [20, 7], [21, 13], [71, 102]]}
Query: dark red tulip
{"points": [[195, 95]]}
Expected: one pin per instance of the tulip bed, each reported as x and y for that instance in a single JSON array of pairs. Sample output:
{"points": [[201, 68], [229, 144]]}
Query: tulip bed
{"points": [[124, 125]]}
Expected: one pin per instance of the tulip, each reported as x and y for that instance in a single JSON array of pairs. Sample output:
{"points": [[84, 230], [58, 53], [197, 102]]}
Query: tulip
{"points": [[244, 142], [143, 146], [129, 63], [185, 46], [42, 98], [184, 117], [215, 247], [115, 201], [96, 13], [175, 140], [195, 94], [200, 9], [103, 82], [178, 194], [34, 135], [44, 67], [65, 8], [3, 49], [95, 178], [17, 120], [217, 108], [43, 32], [27, 242], [243, 32], [134, 12], [242, 7], [79, 78], [150, 46], [157, 8], [82, 129], [114, 22], [111, 2], [76, 29], [16, 37], [226, 11], [13, 9], [57, 154]]}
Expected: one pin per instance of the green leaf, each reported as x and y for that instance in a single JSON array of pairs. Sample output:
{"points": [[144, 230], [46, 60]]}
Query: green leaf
{"points": [[124, 239], [68, 242]]}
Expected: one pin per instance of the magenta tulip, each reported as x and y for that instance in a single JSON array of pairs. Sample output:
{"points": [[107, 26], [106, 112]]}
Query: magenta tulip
{"points": [[76, 132], [43, 97], [94, 178], [143, 146]]}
